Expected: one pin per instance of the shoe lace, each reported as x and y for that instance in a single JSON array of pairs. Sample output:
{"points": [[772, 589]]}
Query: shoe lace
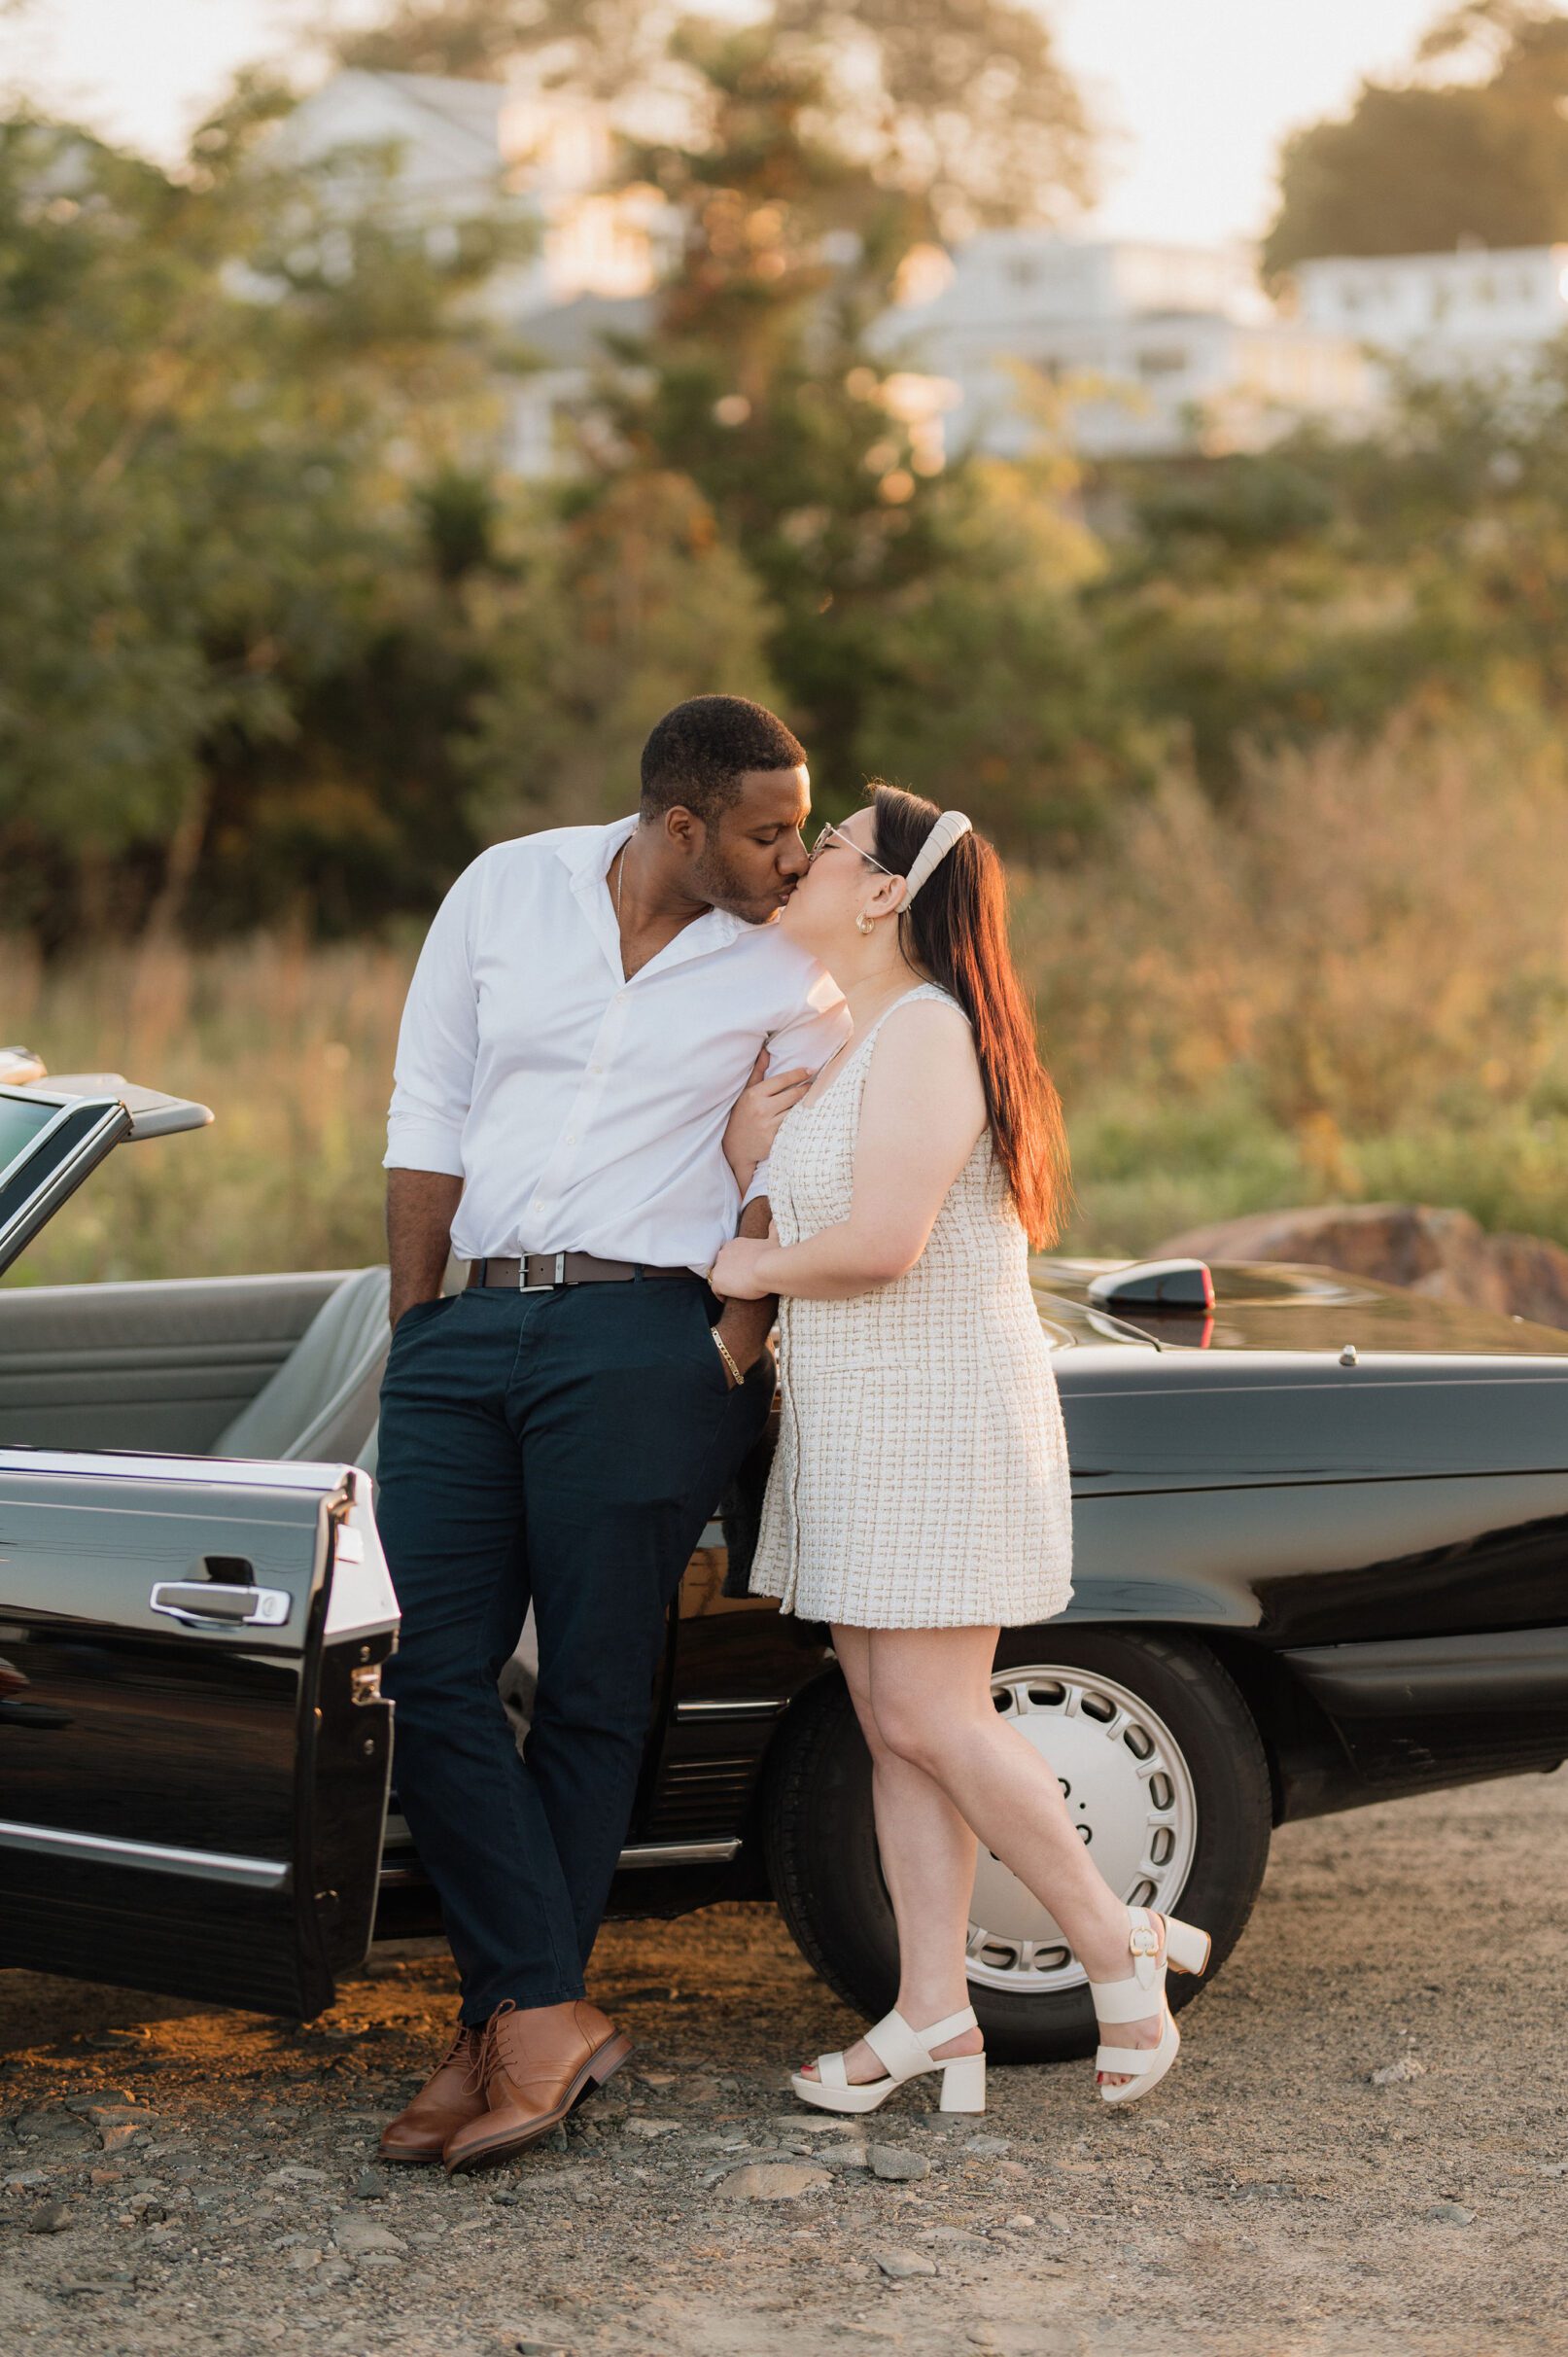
{"points": [[487, 2057]]}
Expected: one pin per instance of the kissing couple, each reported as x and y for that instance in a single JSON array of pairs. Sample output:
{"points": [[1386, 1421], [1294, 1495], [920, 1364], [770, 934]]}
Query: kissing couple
{"points": [[660, 1083]]}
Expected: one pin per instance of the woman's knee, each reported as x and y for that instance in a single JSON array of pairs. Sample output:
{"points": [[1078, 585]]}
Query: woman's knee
{"points": [[912, 1727]]}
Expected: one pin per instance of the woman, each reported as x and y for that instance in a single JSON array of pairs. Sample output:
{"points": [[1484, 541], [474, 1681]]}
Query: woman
{"points": [[918, 1498]]}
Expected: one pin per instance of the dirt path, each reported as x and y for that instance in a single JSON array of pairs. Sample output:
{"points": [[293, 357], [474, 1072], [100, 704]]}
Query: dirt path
{"points": [[1273, 2199]]}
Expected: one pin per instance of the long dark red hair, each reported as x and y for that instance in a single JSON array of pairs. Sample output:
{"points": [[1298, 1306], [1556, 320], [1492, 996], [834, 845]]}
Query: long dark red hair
{"points": [[957, 931]]}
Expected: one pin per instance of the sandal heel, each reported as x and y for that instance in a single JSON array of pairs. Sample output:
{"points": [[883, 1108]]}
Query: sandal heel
{"points": [[963, 2084], [1187, 1949]]}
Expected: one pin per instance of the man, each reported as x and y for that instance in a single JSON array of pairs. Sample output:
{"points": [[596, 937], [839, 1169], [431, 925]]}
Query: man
{"points": [[586, 1009]]}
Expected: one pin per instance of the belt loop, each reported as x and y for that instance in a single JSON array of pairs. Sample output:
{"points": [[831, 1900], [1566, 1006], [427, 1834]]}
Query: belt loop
{"points": [[560, 1268], [483, 1267]]}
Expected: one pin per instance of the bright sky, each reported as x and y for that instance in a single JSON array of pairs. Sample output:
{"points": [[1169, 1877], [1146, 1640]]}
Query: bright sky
{"points": [[1194, 94]]}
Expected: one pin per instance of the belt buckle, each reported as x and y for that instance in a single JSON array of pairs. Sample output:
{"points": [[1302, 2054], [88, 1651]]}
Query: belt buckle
{"points": [[550, 1283]]}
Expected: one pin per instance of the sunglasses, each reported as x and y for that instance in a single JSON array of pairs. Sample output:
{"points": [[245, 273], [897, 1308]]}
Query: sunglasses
{"points": [[829, 834]]}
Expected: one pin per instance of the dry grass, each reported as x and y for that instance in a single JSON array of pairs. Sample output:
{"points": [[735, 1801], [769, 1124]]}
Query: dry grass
{"points": [[293, 1050], [1352, 983]]}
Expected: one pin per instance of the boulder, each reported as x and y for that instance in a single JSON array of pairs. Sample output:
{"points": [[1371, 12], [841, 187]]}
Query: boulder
{"points": [[1537, 1276], [1445, 1255]]}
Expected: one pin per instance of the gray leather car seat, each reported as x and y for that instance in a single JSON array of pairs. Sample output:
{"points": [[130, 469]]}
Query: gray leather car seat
{"points": [[322, 1401]]}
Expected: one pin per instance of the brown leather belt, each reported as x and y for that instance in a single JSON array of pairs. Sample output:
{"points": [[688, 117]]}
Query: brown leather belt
{"points": [[541, 1272]]}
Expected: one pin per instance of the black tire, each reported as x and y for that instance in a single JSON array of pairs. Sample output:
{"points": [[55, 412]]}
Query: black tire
{"points": [[822, 1846]]}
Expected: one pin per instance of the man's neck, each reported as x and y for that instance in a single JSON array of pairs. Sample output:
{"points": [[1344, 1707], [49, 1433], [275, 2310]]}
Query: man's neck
{"points": [[651, 906]]}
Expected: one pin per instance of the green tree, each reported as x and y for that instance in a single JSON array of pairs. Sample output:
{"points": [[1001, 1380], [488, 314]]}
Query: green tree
{"points": [[921, 610], [608, 614], [962, 103], [216, 393], [1328, 584], [1421, 164]]}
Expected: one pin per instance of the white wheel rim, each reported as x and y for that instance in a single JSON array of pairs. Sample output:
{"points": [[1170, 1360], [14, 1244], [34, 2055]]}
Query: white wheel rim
{"points": [[1129, 1789]]}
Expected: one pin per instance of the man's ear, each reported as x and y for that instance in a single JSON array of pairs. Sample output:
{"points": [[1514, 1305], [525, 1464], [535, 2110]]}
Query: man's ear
{"points": [[685, 832]]}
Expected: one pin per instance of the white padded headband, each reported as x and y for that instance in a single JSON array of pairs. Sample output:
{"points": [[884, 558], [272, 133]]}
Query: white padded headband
{"points": [[938, 843]]}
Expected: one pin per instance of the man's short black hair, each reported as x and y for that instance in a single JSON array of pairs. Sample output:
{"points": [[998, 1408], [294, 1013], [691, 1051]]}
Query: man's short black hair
{"points": [[698, 753]]}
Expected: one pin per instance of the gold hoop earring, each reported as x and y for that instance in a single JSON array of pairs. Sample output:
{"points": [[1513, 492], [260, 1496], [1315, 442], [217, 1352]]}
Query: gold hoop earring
{"points": [[864, 924]]}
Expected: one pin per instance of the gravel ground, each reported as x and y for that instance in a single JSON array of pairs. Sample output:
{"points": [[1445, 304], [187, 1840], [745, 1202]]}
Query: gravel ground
{"points": [[1363, 2149]]}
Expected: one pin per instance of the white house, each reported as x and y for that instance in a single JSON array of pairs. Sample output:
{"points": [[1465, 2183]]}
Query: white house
{"points": [[1144, 347], [445, 135], [1475, 310], [1147, 349], [465, 147]]}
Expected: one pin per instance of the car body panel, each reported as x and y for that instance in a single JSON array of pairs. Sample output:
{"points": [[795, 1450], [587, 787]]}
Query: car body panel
{"points": [[186, 1802], [1227, 1418], [1282, 1306]]}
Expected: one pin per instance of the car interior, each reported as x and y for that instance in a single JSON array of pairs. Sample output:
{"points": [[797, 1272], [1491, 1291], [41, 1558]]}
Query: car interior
{"points": [[283, 1366], [275, 1366]]}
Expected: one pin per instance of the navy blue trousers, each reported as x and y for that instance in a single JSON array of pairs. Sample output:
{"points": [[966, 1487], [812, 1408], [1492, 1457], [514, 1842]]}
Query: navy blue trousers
{"points": [[563, 1449]]}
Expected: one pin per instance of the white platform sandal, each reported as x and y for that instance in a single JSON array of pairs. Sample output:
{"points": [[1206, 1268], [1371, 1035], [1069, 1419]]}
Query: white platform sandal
{"points": [[1187, 1950], [904, 2053]]}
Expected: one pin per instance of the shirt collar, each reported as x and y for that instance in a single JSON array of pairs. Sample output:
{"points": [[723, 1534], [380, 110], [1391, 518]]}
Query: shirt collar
{"points": [[587, 854]]}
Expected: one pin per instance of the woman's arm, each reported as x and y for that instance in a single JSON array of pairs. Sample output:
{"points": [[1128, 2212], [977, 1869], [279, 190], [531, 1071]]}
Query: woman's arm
{"points": [[920, 1115]]}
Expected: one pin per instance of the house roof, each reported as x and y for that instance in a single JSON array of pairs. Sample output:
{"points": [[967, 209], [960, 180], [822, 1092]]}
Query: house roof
{"points": [[570, 334], [472, 108]]}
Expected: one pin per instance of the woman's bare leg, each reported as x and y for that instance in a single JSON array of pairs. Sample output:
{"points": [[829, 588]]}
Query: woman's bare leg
{"points": [[930, 1701], [928, 1864]]}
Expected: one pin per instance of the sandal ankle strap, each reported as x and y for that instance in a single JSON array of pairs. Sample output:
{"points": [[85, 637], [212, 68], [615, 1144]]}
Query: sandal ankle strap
{"points": [[953, 2027]]}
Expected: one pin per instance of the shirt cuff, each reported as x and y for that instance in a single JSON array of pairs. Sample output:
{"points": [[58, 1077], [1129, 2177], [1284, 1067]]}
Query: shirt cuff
{"points": [[414, 1143], [758, 1185]]}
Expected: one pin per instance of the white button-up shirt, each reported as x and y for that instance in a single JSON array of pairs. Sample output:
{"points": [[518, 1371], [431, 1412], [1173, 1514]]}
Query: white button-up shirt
{"points": [[583, 1112]]}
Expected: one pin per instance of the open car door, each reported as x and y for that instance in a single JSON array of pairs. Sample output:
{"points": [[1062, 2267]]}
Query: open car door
{"points": [[193, 1749]]}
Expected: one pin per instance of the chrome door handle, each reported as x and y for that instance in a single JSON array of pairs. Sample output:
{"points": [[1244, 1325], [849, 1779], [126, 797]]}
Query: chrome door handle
{"points": [[204, 1604]]}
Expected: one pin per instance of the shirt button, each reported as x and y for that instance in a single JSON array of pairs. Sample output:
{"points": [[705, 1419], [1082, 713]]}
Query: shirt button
{"points": [[572, 1137], [596, 1068]]}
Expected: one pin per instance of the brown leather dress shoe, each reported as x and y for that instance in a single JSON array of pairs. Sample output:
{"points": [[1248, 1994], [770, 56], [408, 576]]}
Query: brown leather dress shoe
{"points": [[538, 2067], [454, 2095]]}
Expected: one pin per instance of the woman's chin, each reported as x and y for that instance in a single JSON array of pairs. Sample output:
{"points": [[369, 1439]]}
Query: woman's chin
{"points": [[794, 920]]}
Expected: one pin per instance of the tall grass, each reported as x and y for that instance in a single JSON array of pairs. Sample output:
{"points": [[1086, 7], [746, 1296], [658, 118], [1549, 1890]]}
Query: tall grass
{"points": [[1352, 982], [291, 1047]]}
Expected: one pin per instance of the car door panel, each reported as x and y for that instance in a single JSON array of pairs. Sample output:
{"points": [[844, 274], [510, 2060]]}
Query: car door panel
{"points": [[190, 1803], [160, 1365]]}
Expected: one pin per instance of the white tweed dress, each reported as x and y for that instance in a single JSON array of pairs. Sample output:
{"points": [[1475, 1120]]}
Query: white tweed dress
{"points": [[920, 1478]]}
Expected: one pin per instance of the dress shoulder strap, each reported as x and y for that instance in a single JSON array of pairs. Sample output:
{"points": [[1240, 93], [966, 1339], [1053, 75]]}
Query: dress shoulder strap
{"points": [[922, 989], [930, 990]]}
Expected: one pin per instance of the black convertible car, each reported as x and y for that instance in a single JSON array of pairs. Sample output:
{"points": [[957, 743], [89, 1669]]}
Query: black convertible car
{"points": [[1322, 1558]]}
